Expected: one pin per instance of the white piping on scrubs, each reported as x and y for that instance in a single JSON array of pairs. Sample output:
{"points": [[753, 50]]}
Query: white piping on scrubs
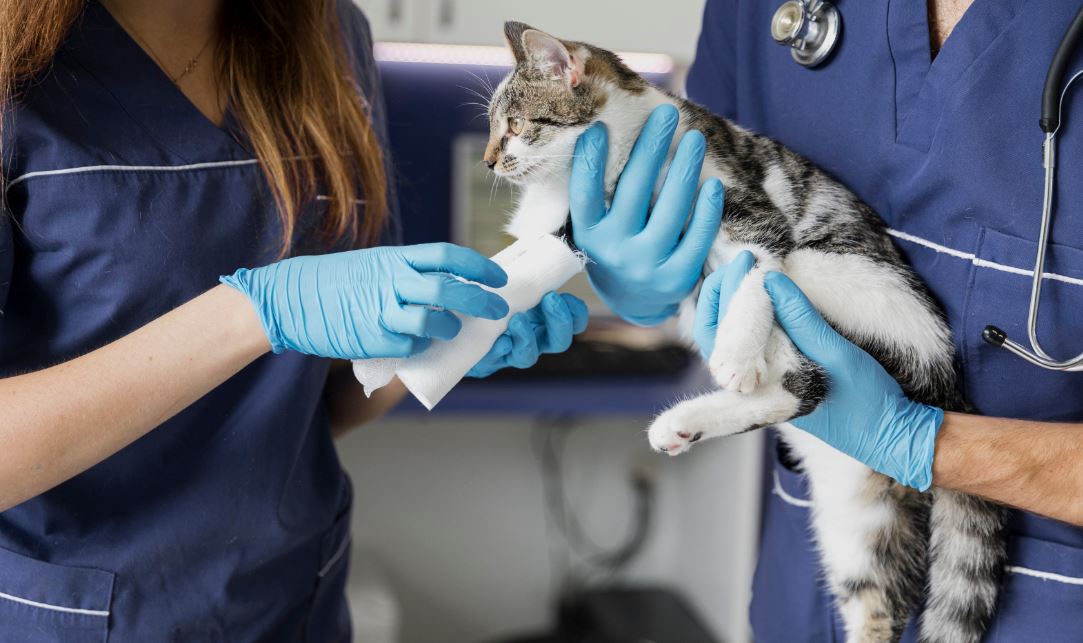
{"points": [[54, 608], [981, 263], [131, 168]]}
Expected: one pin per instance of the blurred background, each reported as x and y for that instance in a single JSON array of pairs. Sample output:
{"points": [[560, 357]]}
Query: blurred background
{"points": [[529, 507]]}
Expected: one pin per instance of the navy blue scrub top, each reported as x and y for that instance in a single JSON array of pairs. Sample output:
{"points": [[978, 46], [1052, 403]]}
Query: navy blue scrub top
{"points": [[948, 151], [229, 522]]}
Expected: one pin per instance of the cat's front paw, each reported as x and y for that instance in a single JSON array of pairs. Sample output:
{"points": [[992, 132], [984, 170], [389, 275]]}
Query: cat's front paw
{"points": [[669, 433], [737, 366]]}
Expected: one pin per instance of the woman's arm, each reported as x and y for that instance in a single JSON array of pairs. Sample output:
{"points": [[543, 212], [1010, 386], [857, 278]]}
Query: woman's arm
{"points": [[1037, 466], [59, 422], [379, 302], [347, 406]]}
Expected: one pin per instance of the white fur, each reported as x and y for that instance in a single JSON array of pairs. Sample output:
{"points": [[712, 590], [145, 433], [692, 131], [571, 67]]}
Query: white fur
{"points": [[752, 353], [777, 186], [623, 119], [863, 299], [542, 209], [739, 361]]}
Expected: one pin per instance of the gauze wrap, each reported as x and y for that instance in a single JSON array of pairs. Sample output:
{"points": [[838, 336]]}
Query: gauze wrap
{"points": [[535, 266]]}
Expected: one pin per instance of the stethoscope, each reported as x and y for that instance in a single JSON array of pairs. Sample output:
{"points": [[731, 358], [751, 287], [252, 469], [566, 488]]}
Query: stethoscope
{"points": [[811, 29], [1052, 99]]}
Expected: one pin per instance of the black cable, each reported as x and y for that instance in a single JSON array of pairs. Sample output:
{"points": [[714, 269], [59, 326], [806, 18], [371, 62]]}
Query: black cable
{"points": [[622, 555], [540, 438], [549, 437]]}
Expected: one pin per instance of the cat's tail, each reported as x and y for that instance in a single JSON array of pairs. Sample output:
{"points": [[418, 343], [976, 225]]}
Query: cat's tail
{"points": [[966, 562]]}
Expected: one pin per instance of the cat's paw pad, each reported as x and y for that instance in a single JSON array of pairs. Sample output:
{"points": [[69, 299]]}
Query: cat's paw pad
{"points": [[738, 369], [666, 434]]}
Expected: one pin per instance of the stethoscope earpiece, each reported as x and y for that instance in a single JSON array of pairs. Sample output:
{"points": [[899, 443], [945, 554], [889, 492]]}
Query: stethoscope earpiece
{"points": [[810, 27]]}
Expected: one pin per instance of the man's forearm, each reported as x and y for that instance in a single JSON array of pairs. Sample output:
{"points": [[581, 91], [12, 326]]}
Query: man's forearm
{"points": [[1037, 466]]}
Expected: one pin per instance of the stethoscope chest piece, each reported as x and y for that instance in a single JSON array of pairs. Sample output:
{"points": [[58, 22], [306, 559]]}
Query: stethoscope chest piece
{"points": [[810, 28]]}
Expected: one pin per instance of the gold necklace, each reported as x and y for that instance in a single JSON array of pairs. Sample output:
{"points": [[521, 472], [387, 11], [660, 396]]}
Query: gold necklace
{"points": [[150, 50], [192, 63]]}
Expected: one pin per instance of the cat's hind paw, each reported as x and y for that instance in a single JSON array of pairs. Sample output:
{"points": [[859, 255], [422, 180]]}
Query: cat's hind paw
{"points": [[738, 368]]}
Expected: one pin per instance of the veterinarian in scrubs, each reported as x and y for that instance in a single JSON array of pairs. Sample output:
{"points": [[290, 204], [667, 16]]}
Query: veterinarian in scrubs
{"points": [[930, 115], [167, 469]]}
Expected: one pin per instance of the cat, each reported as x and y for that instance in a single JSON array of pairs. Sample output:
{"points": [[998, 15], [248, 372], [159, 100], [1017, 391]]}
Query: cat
{"points": [[886, 549]]}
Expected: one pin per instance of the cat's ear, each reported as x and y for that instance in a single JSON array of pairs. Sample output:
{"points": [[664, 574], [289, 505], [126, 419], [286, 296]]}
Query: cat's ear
{"points": [[551, 57], [513, 33]]}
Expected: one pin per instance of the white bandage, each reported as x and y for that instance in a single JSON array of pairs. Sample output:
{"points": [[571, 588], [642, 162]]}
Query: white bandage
{"points": [[535, 267]]}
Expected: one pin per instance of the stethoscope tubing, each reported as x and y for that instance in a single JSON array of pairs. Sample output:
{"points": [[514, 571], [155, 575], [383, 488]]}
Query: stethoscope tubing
{"points": [[1052, 99], [1049, 162], [791, 25], [1051, 90]]}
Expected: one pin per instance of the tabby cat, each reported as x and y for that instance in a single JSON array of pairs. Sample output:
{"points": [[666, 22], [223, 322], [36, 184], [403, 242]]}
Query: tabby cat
{"points": [[886, 549]]}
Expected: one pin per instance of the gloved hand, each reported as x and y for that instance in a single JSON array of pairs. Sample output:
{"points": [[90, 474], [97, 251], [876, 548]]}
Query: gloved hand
{"points": [[377, 302], [545, 328], [714, 299], [643, 267], [866, 415]]}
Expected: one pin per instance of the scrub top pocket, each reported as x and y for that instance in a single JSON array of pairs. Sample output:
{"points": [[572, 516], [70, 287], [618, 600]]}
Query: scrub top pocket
{"points": [[997, 382], [329, 619], [45, 603], [1041, 597]]}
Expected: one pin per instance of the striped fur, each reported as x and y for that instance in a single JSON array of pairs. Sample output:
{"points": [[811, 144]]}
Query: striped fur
{"points": [[886, 550]]}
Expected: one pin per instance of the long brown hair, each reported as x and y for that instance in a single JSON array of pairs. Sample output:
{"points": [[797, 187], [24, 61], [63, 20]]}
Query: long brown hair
{"points": [[290, 83]]}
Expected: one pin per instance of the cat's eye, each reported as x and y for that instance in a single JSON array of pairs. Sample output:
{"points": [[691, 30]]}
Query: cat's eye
{"points": [[516, 125]]}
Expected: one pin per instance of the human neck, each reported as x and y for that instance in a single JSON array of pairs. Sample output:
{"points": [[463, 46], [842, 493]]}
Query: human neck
{"points": [[179, 36], [943, 16], [169, 22]]}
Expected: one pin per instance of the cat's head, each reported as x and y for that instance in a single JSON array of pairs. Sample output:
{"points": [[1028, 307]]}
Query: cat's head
{"points": [[557, 89]]}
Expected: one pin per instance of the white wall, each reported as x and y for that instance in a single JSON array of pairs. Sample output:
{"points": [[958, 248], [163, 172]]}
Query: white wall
{"points": [[670, 27], [452, 512]]}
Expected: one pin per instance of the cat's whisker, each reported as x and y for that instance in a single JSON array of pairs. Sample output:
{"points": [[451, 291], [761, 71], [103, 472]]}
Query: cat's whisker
{"points": [[552, 156], [492, 190], [481, 81], [485, 100], [486, 84], [483, 111]]}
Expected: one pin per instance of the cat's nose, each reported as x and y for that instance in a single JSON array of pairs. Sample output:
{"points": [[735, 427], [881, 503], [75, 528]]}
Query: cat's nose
{"points": [[492, 154]]}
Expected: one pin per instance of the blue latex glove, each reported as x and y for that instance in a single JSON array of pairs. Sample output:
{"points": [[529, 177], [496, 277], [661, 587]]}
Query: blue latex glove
{"points": [[546, 328], [866, 415], [642, 267], [714, 299], [377, 302]]}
